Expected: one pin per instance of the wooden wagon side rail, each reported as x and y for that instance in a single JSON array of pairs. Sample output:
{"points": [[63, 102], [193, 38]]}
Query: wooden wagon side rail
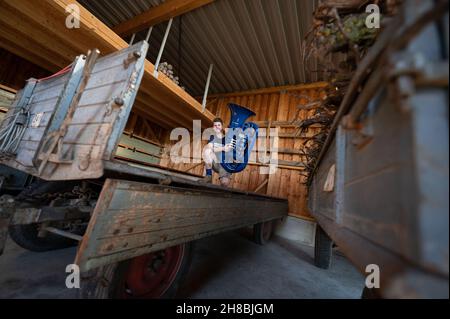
{"points": [[133, 218]]}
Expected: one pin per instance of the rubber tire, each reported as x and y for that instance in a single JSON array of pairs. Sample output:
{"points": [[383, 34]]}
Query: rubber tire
{"points": [[258, 232], [323, 249], [102, 282], [26, 236]]}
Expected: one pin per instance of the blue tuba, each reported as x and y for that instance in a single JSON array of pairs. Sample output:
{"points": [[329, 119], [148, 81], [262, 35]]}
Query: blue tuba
{"points": [[242, 136]]}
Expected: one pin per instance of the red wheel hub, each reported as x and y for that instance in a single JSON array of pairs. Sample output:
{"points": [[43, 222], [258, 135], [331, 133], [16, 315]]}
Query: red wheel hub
{"points": [[149, 276]]}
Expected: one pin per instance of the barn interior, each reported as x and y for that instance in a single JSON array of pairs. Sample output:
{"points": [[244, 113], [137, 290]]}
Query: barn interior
{"points": [[300, 66]]}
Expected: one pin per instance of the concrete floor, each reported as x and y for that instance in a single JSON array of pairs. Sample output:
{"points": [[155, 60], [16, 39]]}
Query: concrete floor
{"points": [[224, 266]]}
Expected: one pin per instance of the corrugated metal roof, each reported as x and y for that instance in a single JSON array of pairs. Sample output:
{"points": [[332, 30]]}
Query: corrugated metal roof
{"points": [[252, 43]]}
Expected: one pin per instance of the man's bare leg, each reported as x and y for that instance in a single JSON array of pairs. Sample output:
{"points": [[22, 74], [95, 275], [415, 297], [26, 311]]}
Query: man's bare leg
{"points": [[208, 158]]}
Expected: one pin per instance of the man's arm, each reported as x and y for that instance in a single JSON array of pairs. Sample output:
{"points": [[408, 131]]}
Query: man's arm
{"points": [[217, 147], [209, 146]]}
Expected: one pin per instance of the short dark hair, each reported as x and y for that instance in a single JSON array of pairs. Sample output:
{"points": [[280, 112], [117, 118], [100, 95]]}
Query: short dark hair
{"points": [[218, 119]]}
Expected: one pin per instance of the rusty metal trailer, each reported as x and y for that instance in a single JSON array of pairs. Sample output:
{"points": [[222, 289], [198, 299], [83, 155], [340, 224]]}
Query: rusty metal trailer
{"points": [[380, 191], [134, 223]]}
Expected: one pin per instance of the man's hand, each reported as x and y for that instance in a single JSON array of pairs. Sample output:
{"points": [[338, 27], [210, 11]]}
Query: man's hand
{"points": [[219, 148], [228, 147]]}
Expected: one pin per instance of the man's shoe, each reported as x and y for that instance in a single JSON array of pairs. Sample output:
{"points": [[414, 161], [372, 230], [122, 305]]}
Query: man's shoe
{"points": [[207, 179]]}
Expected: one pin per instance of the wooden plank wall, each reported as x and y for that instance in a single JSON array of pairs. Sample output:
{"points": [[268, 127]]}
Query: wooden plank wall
{"points": [[14, 70], [6, 99], [138, 126], [270, 106], [141, 140]]}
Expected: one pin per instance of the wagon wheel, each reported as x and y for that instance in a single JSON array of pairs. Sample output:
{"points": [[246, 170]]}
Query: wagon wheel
{"points": [[151, 275], [26, 236], [262, 232], [154, 275]]}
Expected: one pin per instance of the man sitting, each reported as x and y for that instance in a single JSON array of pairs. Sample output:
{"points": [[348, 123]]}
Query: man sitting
{"points": [[212, 154]]}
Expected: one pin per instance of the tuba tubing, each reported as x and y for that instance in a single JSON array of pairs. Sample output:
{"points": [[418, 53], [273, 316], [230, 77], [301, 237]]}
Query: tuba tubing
{"points": [[242, 136]]}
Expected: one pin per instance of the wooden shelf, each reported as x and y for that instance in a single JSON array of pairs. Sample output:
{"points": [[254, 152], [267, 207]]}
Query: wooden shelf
{"points": [[36, 31]]}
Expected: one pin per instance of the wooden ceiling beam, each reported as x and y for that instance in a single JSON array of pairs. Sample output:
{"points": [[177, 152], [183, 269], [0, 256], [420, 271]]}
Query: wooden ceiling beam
{"points": [[273, 89], [165, 11]]}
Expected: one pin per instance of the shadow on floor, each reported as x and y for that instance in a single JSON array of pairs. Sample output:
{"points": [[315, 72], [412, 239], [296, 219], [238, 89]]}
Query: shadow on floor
{"points": [[228, 265], [232, 266]]}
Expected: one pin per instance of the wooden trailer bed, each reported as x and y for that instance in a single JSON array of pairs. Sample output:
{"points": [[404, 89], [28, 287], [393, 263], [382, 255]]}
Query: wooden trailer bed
{"points": [[65, 130]]}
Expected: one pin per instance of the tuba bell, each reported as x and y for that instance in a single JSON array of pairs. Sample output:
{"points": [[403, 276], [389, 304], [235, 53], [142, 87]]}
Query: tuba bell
{"points": [[242, 136]]}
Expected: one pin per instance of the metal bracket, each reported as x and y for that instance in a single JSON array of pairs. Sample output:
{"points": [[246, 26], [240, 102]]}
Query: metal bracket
{"points": [[132, 39], [47, 156], [413, 70], [63, 233], [132, 56], [208, 81], [149, 32], [158, 59]]}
